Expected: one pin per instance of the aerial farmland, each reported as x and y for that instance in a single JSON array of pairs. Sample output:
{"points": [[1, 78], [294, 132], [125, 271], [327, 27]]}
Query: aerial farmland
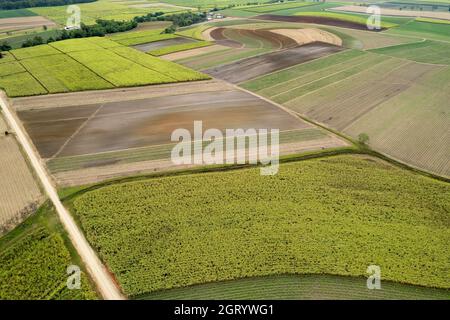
{"points": [[224, 150]]}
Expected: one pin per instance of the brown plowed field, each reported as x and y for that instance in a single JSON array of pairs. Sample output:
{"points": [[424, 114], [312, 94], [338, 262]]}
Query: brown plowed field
{"points": [[7, 24], [118, 125], [251, 68], [316, 20], [237, 38]]}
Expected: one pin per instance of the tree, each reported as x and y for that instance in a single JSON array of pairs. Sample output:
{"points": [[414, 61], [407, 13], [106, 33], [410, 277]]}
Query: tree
{"points": [[1, 55], [5, 46], [363, 138]]}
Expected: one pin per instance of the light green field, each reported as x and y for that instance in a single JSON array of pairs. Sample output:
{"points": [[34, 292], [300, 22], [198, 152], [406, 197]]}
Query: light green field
{"points": [[425, 51], [169, 69], [73, 45], [268, 8], [146, 39], [180, 47], [298, 287], [11, 68], [253, 225], [16, 13], [431, 20], [21, 84], [118, 70], [85, 64], [33, 262], [134, 34], [61, 73], [194, 32], [432, 31], [33, 52], [101, 9]]}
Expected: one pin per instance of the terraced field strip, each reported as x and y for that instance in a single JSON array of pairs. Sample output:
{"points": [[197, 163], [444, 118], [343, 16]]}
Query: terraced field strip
{"points": [[424, 51], [297, 287], [159, 152], [424, 30], [20, 194]]}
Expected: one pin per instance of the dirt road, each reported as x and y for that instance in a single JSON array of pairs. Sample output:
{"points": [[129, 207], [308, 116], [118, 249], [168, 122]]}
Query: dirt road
{"points": [[97, 270]]}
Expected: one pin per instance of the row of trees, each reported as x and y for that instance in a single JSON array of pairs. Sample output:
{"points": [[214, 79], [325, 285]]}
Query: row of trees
{"points": [[99, 29], [103, 27], [18, 4]]}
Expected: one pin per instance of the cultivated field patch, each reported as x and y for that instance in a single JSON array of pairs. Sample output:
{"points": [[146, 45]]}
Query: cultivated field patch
{"points": [[253, 67], [19, 23], [137, 130], [250, 225], [85, 64], [424, 51], [20, 195], [360, 92]]}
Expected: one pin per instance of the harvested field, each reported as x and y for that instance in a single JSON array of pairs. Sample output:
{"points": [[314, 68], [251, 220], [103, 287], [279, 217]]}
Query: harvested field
{"points": [[18, 23], [398, 13], [305, 36], [400, 104], [251, 68], [108, 131], [20, 195], [145, 47], [314, 19]]}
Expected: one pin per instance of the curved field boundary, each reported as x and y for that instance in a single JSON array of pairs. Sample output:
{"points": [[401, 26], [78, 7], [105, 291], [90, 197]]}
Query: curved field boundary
{"points": [[317, 20], [297, 287]]}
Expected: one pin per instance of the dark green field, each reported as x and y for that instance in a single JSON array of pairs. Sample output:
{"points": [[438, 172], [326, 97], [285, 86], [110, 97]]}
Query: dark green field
{"points": [[298, 287]]}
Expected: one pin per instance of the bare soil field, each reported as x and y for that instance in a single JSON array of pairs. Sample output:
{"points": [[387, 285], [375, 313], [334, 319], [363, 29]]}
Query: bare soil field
{"points": [[102, 127], [309, 35], [24, 23], [398, 13], [251, 68], [162, 44], [20, 194], [92, 136], [316, 20]]}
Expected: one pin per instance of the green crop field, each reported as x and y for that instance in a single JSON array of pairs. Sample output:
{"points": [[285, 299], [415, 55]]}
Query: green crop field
{"points": [[21, 84], [60, 73], [101, 9], [253, 225], [33, 52], [134, 34], [359, 19], [146, 39], [298, 287], [33, 261], [268, 8], [180, 47], [16, 13], [426, 30], [425, 51], [194, 32], [118, 70], [85, 64]]}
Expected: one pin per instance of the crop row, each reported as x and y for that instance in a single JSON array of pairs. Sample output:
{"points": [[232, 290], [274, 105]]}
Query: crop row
{"points": [[172, 232], [179, 47]]}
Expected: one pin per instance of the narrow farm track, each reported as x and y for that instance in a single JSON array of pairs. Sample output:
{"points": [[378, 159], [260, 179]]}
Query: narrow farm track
{"points": [[100, 275]]}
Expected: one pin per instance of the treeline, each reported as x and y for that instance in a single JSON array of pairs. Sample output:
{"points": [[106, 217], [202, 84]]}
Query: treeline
{"points": [[99, 29], [103, 27], [18, 4]]}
